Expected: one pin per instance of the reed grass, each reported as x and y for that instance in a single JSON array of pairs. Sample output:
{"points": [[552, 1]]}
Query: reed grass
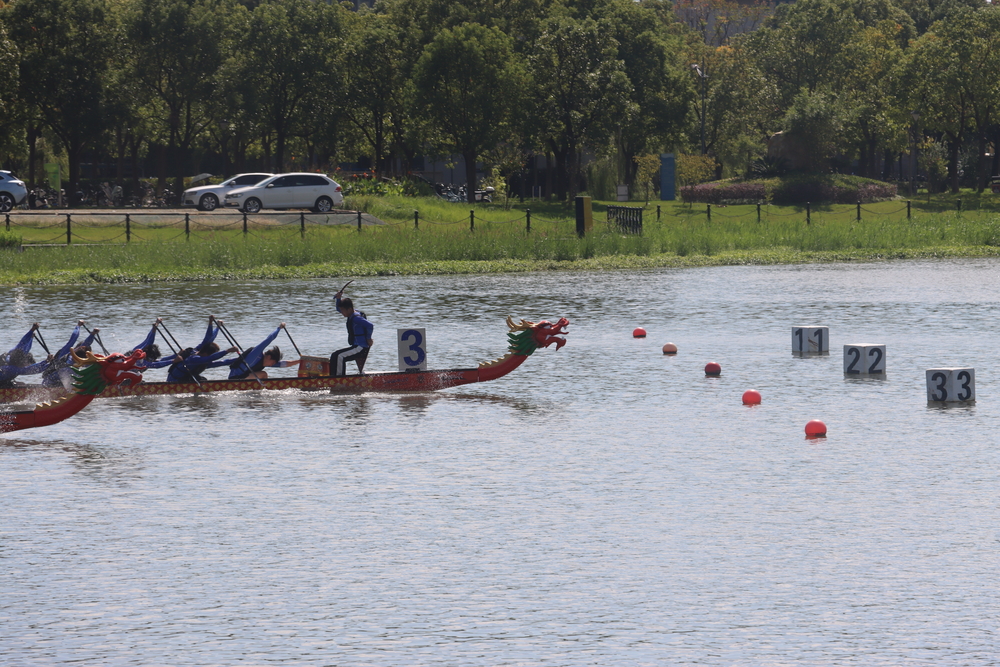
{"points": [[446, 243]]}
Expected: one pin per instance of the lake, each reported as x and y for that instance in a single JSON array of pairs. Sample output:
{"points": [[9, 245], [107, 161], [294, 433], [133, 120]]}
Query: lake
{"points": [[603, 504]]}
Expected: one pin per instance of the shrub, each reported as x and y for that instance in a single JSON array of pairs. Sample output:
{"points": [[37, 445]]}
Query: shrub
{"points": [[9, 240], [793, 190], [745, 192]]}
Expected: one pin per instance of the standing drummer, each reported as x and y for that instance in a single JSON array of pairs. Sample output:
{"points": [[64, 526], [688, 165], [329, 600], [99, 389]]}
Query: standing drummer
{"points": [[359, 338]]}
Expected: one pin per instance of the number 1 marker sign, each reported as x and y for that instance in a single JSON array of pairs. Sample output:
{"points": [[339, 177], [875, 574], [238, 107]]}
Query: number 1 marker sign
{"points": [[810, 340]]}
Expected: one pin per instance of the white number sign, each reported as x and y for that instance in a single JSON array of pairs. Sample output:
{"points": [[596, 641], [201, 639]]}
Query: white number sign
{"points": [[948, 385], [412, 346], [810, 340], [864, 359]]}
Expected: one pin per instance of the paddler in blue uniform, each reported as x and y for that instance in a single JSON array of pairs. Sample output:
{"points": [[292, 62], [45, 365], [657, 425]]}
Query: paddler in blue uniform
{"points": [[253, 362], [359, 338], [190, 363], [57, 367], [19, 361]]}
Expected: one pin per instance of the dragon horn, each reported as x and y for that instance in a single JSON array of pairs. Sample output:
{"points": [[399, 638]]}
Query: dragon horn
{"points": [[524, 324]]}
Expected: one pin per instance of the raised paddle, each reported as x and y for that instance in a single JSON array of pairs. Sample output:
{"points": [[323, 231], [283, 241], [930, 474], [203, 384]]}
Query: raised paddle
{"points": [[232, 341], [37, 335], [97, 336], [297, 350], [179, 348], [159, 323]]}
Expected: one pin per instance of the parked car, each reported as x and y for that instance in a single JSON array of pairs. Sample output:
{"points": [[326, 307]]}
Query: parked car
{"points": [[313, 191], [210, 197], [12, 191]]}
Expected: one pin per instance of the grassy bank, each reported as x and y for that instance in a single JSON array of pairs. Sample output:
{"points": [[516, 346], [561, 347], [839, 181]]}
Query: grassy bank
{"points": [[446, 243]]}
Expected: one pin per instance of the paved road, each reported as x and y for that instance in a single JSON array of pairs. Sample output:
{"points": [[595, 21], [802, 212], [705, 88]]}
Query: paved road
{"points": [[176, 216]]}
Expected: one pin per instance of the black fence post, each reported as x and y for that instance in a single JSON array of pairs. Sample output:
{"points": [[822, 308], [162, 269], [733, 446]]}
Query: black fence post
{"points": [[708, 212], [128, 229], [69, 229], [416, 219], [302, 225], [859, 211], [527, 216], [908, 209], [657, 212], [808, 213], [187, 226], [758, 211], [472, 221], [7, 216], [959, 209], [359, 222]]}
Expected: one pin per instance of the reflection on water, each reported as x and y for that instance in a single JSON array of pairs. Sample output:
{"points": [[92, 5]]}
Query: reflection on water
{"points": [[604, 504]]}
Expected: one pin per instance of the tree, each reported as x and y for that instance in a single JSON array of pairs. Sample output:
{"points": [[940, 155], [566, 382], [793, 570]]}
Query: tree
{"points": [[284, 61], [660, 94], [178, 49], [581, 87], [874, 116], [951, 72], [469, 82], [373, 81], [65, 49]]}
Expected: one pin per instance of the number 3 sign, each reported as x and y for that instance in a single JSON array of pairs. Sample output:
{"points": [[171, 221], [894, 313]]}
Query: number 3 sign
{"points": [[412, 346]]}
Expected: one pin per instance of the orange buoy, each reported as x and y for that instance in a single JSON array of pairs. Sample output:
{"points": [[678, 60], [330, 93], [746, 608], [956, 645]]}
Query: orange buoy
{"points": [[713, 369], [751, 397], [669, 348], [639, 332], [815, 429]]}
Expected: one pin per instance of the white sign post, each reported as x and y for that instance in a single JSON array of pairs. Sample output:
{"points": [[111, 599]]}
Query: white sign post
{"points": [[412, 347]]}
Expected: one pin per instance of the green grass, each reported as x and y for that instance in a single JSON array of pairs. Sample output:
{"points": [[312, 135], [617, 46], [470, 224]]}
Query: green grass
{"points": [[444, 242]]}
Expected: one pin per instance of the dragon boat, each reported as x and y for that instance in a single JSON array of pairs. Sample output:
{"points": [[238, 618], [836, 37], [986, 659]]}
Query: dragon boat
{"points": [[523, 337], [92, 375]]}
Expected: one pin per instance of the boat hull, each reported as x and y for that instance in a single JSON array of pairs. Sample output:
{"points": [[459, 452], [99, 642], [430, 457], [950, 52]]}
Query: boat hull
{"points": [[375, 382]]}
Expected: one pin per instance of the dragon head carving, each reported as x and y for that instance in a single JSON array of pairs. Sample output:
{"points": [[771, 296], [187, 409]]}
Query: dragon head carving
{"points": [[93, 372], [525, 337]]}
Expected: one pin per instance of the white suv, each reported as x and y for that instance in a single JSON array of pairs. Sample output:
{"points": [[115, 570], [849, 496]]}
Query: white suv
{"points": [[209, 197], [313, 191], [12, 191]]}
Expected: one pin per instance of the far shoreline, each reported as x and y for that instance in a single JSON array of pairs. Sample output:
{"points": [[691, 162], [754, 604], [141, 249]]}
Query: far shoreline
{"points": [[759, 257]]}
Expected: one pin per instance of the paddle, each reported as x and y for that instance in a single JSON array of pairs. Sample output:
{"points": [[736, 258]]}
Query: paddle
{"points": [[232, 341], [97, 336], [179, 348], [37, 335], [297, 350]]}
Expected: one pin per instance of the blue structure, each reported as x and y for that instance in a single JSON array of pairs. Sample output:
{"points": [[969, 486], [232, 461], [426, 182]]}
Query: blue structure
{"points": [[668, 170]]}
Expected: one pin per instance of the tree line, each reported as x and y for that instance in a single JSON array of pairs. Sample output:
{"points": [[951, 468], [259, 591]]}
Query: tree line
{"points": [[305, 84]]}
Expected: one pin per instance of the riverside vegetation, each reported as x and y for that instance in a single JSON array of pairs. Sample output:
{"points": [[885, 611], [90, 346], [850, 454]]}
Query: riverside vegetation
{"points": [[500, 242]]}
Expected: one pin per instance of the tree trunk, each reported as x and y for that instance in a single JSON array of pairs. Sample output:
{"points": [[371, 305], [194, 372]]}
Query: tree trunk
{"points": [[32, 154], [73, 151], [954, 144], [982, 178], [470, 175]]}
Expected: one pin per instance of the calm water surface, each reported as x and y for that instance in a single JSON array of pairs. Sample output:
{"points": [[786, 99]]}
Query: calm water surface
{"points": [[602, 505]]}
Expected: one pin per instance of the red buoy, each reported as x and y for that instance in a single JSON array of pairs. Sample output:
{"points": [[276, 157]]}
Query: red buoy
{"points": [[815, 429], [669, 348], [712, 368], [751, 397], [639, 332]]}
